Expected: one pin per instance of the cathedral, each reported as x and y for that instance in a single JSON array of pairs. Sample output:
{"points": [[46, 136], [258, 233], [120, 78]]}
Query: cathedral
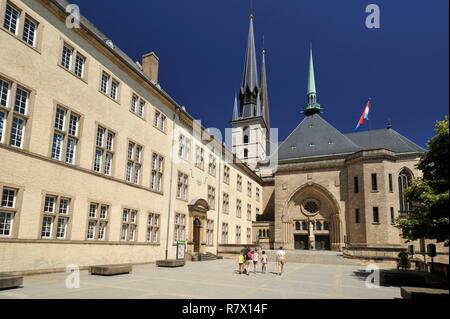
{"points": [[329, 190]]}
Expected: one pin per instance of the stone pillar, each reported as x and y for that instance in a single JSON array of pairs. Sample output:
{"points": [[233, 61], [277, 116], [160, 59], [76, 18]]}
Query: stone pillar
{"points": [[335, 232], [312, 237]]}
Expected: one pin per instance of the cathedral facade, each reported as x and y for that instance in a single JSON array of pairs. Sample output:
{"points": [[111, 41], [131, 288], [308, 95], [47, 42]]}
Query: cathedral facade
{"points": [[329, 190]]}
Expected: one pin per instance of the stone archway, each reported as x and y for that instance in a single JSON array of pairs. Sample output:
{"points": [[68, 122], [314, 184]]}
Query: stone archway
{"points": [[311, 219], [198, 209]]}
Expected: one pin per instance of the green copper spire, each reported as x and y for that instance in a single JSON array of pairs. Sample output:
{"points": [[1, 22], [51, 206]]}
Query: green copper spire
{"points": [[313, 107]]}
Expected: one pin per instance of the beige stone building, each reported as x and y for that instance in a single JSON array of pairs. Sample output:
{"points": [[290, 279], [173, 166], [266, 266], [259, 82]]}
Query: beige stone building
{"points": [[98, 164]]}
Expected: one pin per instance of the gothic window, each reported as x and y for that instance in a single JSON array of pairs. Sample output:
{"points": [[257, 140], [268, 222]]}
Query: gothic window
{"points": [[245, 153], [305, 225], [404, 181], [246, 135], [311, 207], [297, 226], [318, 225]]}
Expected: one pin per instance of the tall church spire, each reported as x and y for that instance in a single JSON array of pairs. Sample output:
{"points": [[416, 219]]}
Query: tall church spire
{"points": [[235, 109], [250, 86], [313, 107], [264, 92]]}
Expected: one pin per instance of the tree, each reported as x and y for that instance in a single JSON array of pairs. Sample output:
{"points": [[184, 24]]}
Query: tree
{"points": [[430, 195]]}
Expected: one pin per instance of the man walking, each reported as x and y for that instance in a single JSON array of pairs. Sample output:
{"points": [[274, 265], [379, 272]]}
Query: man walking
{"points": [[281, 260]]}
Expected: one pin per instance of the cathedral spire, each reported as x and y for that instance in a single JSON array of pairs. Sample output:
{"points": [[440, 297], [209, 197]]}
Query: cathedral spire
{"points": [[235, 109], [264, 91], [250, 86], [313, 107]]}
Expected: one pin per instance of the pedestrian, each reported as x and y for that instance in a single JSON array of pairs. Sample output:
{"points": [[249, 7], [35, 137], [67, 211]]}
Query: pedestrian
{"points": [[264, 260], [281, 260], [248, 260], [403, 255], [241, 260], [255, 260]]}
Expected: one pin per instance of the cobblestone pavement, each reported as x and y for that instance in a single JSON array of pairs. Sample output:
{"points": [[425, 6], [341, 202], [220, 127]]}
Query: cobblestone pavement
{"points": [[211, 280]]}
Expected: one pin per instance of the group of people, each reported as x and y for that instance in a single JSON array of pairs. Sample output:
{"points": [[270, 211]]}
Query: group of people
{"points": [[248, 258]]}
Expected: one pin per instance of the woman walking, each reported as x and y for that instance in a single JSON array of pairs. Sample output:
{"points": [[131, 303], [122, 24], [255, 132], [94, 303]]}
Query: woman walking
{"points": [[264, 260], [255, 260]]}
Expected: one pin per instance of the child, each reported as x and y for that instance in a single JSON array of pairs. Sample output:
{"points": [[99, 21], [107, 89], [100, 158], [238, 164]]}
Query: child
{"points": [[264, 262], [255, 260], [241, 259]]}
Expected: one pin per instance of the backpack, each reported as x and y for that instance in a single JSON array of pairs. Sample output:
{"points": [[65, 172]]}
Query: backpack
{"points": [[249, 255]]}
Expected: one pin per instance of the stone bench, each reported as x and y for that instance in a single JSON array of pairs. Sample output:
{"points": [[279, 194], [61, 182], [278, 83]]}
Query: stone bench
{"points": [[416, 293], [171, 263], [110, 270], [10, 282]]}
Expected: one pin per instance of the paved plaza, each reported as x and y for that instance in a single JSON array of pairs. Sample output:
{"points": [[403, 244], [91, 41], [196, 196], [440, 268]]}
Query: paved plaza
{"points": [[213, 280]]}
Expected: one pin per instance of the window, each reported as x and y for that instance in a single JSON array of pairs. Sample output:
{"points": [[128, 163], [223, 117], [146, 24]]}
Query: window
{"points": [[182, 187], [297, 226], [245, 153], [153, 228], [180, 227], [134, 163], [258, 195], [75, 62], [56, 216], [238, 235], [249, 189], [318, 225], [98, 221], [239, 183], [249, 235], [212, 165], [357, 216], [14, 113], [226, 203], [159, 121], [374, 183], [184, 147], [356, 184], [249, 212], [209, 232], [109, 86], [211, 197], [391, 186], [238, 208], [246, 135], [129, 225], [104, 151], [376, 215], [66, 59], [8, 211], [157, 173], [21, 25], [11, 21], [404, 181], [199, 157], [224, 233], [226, 175], [29, 31], [65, 135], [392, 216], [137, 105]]}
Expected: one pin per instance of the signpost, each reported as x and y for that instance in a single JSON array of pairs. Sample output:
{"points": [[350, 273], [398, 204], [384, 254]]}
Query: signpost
{"points": [[181, 249]]}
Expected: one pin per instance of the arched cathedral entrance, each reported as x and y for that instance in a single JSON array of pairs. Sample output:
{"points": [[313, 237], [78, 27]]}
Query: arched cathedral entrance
{"points": [[311, 220]]}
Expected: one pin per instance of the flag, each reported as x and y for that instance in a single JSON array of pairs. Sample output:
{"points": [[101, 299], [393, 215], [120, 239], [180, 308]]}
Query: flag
{"points": [[364, 116]]}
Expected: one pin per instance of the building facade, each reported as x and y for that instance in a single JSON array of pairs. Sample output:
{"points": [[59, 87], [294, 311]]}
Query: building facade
{"points": [[98, 164]]}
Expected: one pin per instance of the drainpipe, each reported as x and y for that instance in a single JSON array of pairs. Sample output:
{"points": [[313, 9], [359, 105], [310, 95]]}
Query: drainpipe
{"points": [[171, 182], [218, 206]]}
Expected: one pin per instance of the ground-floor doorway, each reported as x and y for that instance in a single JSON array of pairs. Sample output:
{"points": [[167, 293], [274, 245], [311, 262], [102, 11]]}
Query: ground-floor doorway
{"points": [[323, 242], [301, 242]]}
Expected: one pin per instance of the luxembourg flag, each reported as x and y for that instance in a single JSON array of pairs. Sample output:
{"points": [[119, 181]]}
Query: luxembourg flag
{"points": [[364, 116]]}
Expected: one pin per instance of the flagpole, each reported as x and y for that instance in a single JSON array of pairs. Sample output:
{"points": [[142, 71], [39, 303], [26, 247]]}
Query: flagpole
{"points": [[370, 125]]}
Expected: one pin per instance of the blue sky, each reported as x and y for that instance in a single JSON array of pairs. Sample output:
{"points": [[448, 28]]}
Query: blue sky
{"points": [[403, 66]]}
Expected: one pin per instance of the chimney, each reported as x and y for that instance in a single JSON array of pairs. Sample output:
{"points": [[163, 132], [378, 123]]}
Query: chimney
{"points": [[150, 66]]}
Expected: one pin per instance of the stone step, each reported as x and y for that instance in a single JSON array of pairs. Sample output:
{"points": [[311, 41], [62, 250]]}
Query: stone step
{"points": [[10, 282]]}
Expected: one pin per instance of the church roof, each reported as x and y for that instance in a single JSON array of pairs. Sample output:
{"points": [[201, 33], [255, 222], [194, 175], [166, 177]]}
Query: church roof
{"points": [[385, 138], [250, 78], [315, 137]]}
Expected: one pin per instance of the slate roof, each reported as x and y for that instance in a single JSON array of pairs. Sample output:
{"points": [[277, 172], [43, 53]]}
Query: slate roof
{"points": [[315, 137], [385, 138]]}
